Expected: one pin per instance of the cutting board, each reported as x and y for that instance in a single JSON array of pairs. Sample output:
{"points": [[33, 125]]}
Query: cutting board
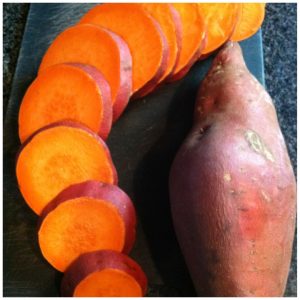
{"points": [[143, 144]]}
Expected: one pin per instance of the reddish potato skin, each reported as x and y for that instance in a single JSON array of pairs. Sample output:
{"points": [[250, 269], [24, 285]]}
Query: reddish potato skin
{"points": [[125, 89], [102, 191], [91, 262], [73, 124], [232, 187]]}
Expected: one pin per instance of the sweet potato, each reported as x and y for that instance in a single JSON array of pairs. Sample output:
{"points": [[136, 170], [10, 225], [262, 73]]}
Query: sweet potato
{"points": [[104, 274], [86, 217], [194, 32], [142, 33], [251, 18], [67, 92], [98, 47], [169, 20], [232, 187], [58, 155]]}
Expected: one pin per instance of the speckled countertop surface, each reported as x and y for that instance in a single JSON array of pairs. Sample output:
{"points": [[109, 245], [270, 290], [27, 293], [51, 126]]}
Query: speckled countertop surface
{"points": [[280, 59]]}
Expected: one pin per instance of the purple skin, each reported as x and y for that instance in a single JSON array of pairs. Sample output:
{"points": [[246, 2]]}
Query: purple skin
{"points": [[106, 122], [125, 89], [98, 190], [73, 124], [178, 30], [151, 85], [92, 262]]}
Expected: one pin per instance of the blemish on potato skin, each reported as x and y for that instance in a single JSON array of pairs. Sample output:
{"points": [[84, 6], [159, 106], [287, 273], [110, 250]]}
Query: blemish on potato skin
{"points": [[256, 143], [227, 177], [265, 196]]}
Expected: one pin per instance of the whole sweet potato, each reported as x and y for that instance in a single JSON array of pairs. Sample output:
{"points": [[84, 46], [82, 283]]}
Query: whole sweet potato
{"points": [[232, 187]]}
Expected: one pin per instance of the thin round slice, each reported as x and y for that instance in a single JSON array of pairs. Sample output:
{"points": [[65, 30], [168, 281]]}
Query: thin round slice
{"points": [[220, 20], [252, 16], [104, 274], [193, 37], [67, 92], [169, 21], [143, 35], [86, 217], [98, 47], [57, 156]]}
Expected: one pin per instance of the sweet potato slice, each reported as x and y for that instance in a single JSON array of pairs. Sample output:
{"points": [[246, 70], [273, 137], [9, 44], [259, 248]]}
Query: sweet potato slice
{"points": [[143, 35], [58, 155], [193, 37], [251, 18], [232, 187], [220, 20], [67, 92], [170, 23], [86, 217], [104, 274], [98, 47]]}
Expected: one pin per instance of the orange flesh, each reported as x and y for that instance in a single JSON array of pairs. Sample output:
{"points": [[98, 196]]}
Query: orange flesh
{"points": [[87, 44], [77, 226], [56, 158], [161, 12], [193, 32], [61, 92], [220, 19], [136, 27], [252, 16], [108, 283]]}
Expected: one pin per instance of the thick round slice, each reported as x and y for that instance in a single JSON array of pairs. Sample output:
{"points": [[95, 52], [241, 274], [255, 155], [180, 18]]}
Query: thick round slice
{"points": [[104, 274], [251, 18], [220, 20], [170, 23], [57, 156], [193, 37], [86, 217], [67, 92], [101, 48], [143, 35]]}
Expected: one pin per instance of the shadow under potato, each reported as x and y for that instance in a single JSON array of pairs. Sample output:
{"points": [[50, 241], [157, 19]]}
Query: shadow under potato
{"points": [[151, 191]]}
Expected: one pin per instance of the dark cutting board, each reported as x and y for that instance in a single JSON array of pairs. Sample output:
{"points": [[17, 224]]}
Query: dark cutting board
{"points": [[142, 143]]}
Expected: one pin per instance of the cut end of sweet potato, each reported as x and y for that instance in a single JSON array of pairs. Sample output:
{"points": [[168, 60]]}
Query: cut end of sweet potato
{"points": [[193, 37], [143, 36], [168, 21], [104, 274], [77, 226], [220, 19], [57, 156], [98, 47], [67, 92], [251, 18]]}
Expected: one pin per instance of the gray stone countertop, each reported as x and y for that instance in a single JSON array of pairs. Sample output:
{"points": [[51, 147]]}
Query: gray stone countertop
{"points": [[280, 59]]}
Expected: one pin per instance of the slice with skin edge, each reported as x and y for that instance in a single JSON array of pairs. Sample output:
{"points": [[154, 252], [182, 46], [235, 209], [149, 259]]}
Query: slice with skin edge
{"points": [[77, 154], [252, 16], [67, 91], [220, 19], [77, 226], [99, 190], [82, 276], [169, 21], [193, 37], [98, 47], [143, 35]]}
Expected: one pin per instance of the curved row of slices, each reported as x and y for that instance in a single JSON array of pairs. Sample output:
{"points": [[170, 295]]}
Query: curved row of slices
{"points": [[85, 80]]}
